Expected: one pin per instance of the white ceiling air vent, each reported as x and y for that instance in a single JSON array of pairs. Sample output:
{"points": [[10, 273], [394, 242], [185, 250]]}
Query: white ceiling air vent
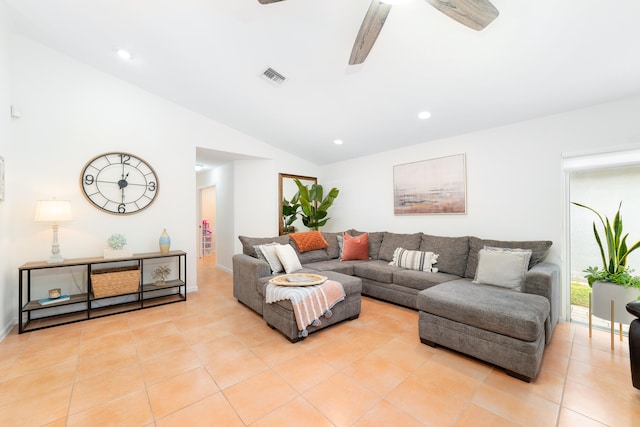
{"points": [[273, 76]]}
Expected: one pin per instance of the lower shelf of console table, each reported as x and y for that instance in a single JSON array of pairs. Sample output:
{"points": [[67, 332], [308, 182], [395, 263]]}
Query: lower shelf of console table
{"points": [[35, 278]]}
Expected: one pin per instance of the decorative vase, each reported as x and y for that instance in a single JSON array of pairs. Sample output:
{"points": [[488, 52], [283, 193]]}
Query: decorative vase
{"points": [[165, 242], [604, 292]]}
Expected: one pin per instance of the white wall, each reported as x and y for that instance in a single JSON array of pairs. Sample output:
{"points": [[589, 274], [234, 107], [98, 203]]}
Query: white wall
{"points": [[71, 113], [7, 302]]}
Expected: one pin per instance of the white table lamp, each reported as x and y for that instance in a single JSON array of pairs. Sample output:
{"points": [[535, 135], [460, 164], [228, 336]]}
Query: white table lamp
{"points": [[54, 211]]}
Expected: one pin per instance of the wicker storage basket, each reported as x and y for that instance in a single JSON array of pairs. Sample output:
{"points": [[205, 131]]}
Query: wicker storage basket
{"points": [[115, 281]]}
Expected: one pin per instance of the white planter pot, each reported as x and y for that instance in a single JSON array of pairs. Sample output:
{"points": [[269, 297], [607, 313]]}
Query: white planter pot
{"points": [[604, 292]]}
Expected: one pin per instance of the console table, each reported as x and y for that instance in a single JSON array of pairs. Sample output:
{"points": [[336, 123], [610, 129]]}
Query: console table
{"points": [[82, 304]]}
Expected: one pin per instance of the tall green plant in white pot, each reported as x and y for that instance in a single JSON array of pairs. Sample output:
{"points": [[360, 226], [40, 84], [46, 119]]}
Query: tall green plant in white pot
{"points": [[615, 281]]}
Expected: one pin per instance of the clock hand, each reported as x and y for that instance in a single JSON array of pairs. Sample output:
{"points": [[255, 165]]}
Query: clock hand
{"points": [[123, 182]]}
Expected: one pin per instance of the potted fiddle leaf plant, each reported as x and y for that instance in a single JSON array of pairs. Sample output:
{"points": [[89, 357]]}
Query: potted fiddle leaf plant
{"points": [[289, 214], [615, 281], [314, 205]]}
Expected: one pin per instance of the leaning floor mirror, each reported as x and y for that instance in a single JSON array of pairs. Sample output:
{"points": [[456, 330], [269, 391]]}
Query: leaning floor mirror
{"points": [[287, 188]]}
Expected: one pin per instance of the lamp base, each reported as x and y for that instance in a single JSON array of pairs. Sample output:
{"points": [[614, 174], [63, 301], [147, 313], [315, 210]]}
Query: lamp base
{"points": [[55, 259]]}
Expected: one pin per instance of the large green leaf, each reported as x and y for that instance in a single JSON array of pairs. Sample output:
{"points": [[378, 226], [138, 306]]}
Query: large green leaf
{"points": [[314, 206]]}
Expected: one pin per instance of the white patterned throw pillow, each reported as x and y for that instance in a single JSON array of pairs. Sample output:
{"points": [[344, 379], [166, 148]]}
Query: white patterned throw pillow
{"points": [[414, 260]]}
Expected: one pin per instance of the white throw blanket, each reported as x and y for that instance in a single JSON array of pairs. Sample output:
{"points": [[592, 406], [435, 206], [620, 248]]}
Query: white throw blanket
{"points": [[310, 303]]}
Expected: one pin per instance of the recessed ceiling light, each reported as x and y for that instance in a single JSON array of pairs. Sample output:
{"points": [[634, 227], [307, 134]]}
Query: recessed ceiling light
{"points": [[424, 115], [124, 54], [338, 141]]}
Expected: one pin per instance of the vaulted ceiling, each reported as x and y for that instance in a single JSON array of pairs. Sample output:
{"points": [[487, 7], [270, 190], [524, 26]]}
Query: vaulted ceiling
{"points": [[537, 58]]}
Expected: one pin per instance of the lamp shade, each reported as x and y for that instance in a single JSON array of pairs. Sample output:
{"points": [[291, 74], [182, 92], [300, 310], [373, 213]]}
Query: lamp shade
{"points": [[53, 211]]}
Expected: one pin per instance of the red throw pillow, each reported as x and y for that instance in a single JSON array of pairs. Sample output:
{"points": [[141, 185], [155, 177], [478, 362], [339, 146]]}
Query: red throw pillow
{"points": [[309, 241], [355, 247]]}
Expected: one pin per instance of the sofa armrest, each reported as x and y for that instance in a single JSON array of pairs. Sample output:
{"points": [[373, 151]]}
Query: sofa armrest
{"points": [[246, 272], [542, 279]]}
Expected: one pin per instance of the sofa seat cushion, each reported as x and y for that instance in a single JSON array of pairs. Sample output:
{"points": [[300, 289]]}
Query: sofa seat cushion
{"points": [[377, 270], [421, 279], [344, 267], [513, 314]]}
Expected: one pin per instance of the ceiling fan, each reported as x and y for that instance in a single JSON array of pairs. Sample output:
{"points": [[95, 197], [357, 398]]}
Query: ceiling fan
{"points": [[475, 14]]}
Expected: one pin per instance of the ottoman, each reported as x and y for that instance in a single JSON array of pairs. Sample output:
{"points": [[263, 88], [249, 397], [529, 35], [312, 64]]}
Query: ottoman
{"points": [[500, 326], [279, 315]]}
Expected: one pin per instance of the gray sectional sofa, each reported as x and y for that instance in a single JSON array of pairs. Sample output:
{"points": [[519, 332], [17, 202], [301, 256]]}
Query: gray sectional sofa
{"points": [[501, 326]]}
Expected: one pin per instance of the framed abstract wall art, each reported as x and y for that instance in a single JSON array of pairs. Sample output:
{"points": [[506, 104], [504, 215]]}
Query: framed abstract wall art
{"points": [[435, 186]]}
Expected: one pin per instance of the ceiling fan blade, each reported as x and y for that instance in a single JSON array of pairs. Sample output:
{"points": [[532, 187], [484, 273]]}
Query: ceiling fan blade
{"points": [[268, 1], [369, 30], [475, 14]]}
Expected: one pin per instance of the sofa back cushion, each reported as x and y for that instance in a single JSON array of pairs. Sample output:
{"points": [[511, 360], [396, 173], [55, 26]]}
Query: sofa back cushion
{"points": [[539, 249], [333, 250], [375, 241], [391, 241], [312, 256], [453, 252], [248, 243]]}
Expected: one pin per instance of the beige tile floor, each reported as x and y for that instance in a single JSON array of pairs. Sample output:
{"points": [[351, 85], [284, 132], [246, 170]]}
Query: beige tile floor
{"points": [[212, 362]]}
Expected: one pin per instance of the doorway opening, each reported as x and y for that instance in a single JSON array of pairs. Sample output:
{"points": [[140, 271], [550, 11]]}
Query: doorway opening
{"points": [[207, 221], [600, 184]]}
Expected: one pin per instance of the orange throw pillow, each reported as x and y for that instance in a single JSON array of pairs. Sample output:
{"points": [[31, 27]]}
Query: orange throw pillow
{"points": [[309, 241], [355, 247]]}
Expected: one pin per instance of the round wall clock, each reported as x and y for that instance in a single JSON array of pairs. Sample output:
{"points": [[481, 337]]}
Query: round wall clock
{"points": [[119, 183]]}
